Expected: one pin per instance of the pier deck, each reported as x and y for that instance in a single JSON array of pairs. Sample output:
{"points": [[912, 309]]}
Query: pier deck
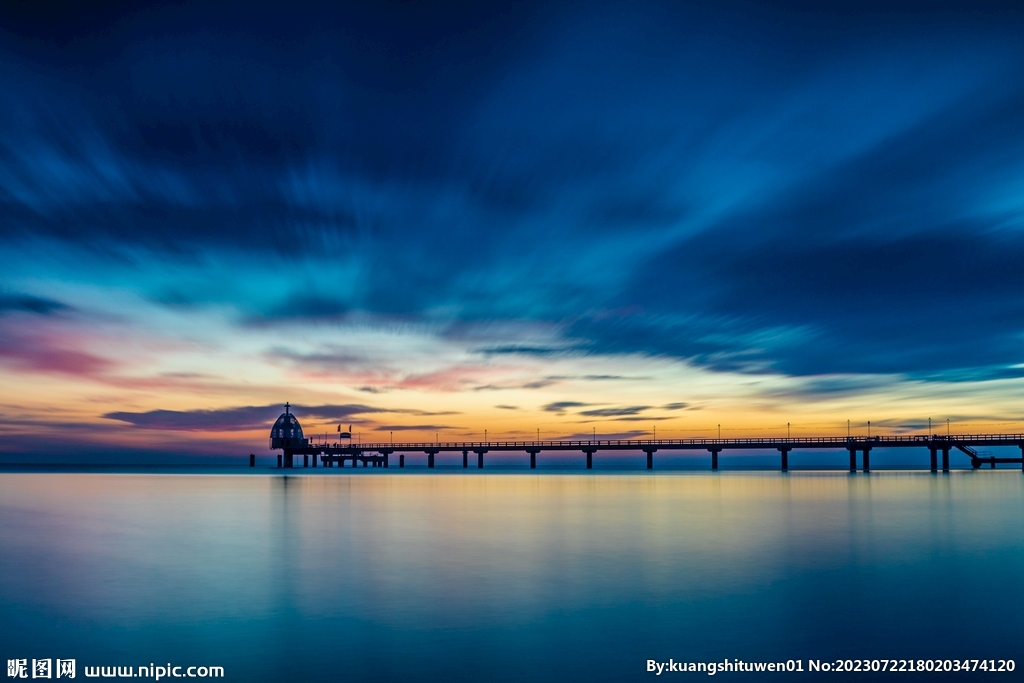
{"points": [[379, 454]]}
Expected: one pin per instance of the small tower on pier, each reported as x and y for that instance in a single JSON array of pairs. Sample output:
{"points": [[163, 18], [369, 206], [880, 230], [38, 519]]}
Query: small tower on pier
{"points": [[287, 435]]}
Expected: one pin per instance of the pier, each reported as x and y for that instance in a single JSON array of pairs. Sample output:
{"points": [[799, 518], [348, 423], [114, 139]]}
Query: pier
{"points": [[287, 437], [859, 449]]}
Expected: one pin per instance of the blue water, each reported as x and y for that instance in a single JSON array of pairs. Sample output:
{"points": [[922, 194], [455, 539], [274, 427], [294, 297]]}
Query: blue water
{"points": [[410, 576]]}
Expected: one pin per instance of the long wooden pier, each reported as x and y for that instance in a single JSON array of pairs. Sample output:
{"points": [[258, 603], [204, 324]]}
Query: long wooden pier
{"points": [[379, 454]]}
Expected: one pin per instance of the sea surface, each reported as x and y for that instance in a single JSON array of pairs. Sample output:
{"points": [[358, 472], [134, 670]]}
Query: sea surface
{"points": [[475, 576]]}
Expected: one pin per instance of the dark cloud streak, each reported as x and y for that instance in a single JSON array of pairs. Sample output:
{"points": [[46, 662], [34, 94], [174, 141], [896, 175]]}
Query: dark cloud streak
{"points": [[805, 190]]}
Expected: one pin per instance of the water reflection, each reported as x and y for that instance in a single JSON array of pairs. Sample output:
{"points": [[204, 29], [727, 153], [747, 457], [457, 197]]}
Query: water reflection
{"points": [[447, 576]]}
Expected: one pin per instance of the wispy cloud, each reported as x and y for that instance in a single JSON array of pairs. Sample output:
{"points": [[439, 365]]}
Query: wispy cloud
{"points": [[561, 407], [614, 412]]}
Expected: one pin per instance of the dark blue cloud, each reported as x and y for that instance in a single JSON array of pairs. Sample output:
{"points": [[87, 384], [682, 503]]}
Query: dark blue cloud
{"points": [[229, 419], [800, 188], [23, 303]]}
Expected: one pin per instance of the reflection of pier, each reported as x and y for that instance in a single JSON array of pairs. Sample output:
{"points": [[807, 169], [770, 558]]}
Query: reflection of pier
{"points": [[287, 436]]}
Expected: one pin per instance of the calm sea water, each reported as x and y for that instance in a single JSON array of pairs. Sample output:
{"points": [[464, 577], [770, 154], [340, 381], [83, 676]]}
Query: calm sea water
{"points": [[509, 577]]}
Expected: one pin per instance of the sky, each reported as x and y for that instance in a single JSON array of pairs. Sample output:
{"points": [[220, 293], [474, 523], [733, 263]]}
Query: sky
{"points": [[536, 219]]}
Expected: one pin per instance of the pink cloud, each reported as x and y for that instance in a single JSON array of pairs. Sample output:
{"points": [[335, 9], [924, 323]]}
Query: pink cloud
{"points": [[39, 353]]}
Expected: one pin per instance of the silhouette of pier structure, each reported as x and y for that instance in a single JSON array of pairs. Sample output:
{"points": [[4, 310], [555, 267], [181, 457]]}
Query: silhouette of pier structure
{"points": [[287, 436]]}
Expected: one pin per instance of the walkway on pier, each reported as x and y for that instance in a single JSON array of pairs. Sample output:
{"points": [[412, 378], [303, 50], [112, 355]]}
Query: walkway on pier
{"points": [[379, 454]]}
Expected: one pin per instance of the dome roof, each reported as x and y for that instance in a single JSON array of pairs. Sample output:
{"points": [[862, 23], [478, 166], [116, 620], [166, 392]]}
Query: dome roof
{"points": [[286, 427]]}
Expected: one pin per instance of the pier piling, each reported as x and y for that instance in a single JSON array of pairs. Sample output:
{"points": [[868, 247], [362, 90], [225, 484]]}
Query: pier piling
{"points": [[785, 459], [650, 457], [867, 460], [714, 457], [252, 460]]}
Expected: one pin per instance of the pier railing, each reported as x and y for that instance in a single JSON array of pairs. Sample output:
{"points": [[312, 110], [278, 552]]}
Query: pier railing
{"points": [[767, 442]]}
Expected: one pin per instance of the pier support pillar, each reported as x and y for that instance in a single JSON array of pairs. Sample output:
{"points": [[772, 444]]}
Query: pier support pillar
{"points": [[386, 459], [650, 458], [533, 460], [278, 459], [305, 460], [430, 460], [714, 457], [785, 459], [945, 459], [1021, 459], [465, 459], [252, 460], [316, 456], [590, 459], [480, 459], [867, 460], [364, 463], [401, 459], [934, 459]]}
